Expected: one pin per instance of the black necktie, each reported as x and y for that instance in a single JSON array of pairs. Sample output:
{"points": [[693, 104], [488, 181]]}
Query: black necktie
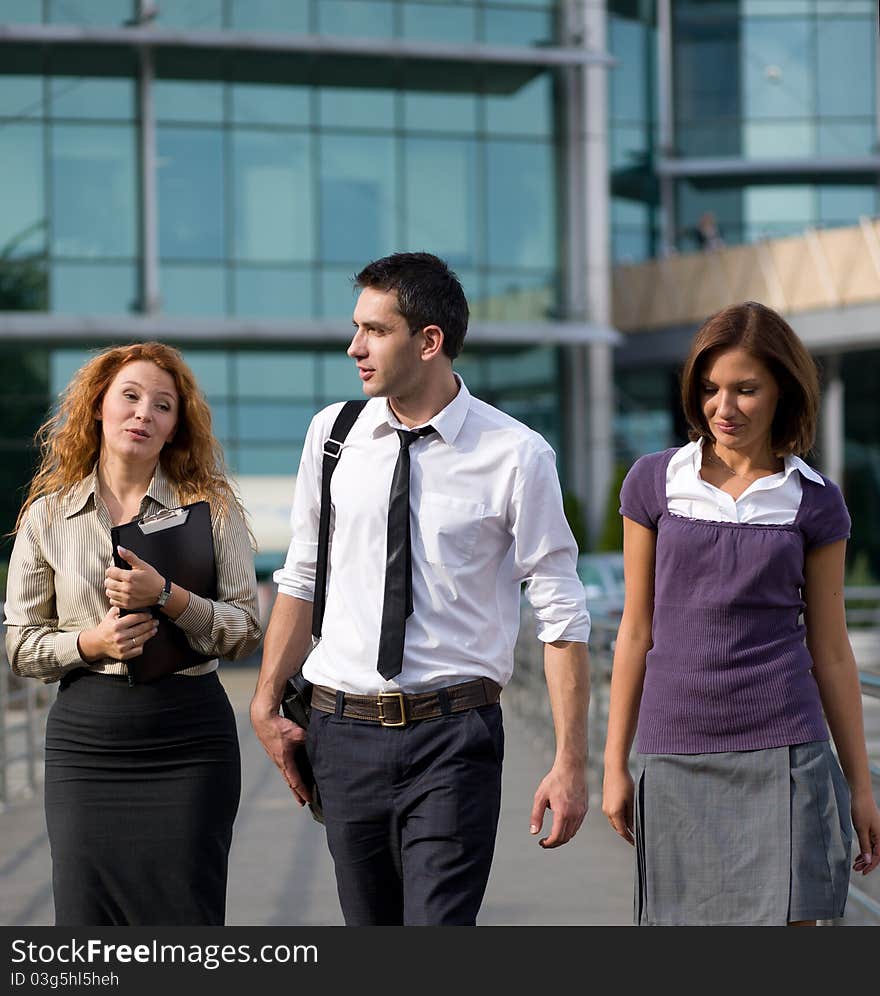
{"points": [[398, 562]]}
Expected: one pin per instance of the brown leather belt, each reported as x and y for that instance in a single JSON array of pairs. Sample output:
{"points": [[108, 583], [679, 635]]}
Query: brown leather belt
{"points": [[398, 708]]}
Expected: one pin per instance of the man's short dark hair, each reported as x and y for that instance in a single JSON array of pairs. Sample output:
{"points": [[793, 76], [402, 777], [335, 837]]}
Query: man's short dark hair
{"points": [[428, 293]]}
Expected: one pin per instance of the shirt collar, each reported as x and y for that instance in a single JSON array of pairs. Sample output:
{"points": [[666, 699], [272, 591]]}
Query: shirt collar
{"points": [[693, 452], [447, 422], [160, 490]]}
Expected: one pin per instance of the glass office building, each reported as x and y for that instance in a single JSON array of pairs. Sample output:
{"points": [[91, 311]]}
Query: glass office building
{"points": [[212, 173], [764, 113]]}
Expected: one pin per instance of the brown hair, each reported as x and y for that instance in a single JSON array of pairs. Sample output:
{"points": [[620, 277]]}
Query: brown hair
{"points": [[70, 439], [766, 335]]}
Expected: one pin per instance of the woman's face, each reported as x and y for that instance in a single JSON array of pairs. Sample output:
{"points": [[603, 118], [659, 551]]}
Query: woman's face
{"points": [[739, 398], [139, 412]]}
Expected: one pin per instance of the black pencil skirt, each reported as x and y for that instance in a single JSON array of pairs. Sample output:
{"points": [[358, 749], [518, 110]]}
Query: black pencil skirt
{"points": [[142, 788]]}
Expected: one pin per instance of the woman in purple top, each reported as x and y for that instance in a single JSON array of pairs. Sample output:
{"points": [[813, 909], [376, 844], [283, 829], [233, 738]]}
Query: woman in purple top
{"points": [[732, 661]]}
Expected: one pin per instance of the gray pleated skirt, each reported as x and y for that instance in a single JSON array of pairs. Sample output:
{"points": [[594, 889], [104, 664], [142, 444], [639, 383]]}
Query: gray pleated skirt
{"points": [[743, 838]]}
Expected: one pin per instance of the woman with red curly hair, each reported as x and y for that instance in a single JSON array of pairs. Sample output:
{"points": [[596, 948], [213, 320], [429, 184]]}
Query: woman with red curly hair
{"points": [[142, 779]]}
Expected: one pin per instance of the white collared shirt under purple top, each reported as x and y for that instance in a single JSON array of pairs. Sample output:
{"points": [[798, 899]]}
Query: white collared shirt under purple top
{"points": [[772, 500], [486, 516]]}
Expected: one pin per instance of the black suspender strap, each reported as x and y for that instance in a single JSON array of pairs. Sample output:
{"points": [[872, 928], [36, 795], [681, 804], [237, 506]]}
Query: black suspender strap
{"points": [[332, 451]]}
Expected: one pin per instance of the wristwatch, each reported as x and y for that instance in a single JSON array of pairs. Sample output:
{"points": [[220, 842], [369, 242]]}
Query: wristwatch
{"points": [[164, 594]]}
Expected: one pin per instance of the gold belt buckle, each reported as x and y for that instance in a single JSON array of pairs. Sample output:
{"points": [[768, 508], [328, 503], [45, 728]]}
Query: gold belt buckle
{"points": [[400, 701]]}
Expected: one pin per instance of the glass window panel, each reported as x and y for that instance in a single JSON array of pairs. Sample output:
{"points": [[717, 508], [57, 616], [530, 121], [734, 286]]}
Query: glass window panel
{"points": [[629, 146], [262, 292], [22, 11], [211, 368], [629, 245], [518, 297], [845, 204], [255, 459], [191, 215], [269, 15], [221, 419], [63, 364], [272, 188], [847, 138], [193, 290], [519, 27], [339, 376], [94, 196], [359, 198], [472, 370], [78, 97], [184, 100], [527, 112], [771, 8], [779, 139], [191, 14], [93, 288], [338, 295], [780, 203], [269, 421], [374, 19], [528, 367], [343, 107], [23, 217], [433, 22], [255, 103], [846, 66], [712, 137], [277, 374], [448, 112], [441, 207], [21, 96], [627, 81], [846, 7], [521, 203], [107, 13], [629, 213], [776, 64]]}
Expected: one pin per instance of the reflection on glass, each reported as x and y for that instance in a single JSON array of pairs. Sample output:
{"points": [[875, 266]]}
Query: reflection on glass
{"points": [[94, 209], [269, 15], [270, 292], [846, 138], [522, 208], [78, 97], [93, 288], [770, 139], [519, 27], [190, 180], [22, 219], [359, 195], [518, 297], [776, 69], [846, 66], [526, 112], [256, 103], [439, 24], [347, 107], [446, 112], [192, 290], [185, 100], [276, 373], [440, 205], [272, 182], [358, 18]]}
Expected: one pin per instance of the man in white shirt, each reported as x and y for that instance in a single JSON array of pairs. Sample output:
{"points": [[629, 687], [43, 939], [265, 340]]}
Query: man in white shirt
{"points": [[405, 736]]}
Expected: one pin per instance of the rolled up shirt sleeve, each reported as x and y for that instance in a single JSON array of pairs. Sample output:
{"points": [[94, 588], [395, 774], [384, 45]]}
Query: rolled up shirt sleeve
{"points": [[545, 552], [228, 626], [35, 645]]}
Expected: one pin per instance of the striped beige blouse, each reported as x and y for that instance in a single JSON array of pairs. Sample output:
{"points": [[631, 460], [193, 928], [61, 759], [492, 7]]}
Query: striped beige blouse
{"points": [[55, 585]]}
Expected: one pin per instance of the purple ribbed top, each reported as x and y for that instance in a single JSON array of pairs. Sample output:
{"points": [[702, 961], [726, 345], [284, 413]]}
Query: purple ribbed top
{"points": [[729, 669]]}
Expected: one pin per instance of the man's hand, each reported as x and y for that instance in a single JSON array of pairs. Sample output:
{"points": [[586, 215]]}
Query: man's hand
{"points": [[563, 791], [281, 739]]}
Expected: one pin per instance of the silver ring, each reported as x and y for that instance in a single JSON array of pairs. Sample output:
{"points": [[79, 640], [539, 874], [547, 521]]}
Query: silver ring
{"points": [[133, 642]]}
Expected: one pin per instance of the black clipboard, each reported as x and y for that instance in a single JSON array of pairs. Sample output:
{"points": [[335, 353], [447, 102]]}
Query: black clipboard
{"points": [[179, 543]]}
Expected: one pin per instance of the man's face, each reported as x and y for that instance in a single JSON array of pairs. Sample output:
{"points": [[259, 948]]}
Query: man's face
{"points": [[388, 356]]}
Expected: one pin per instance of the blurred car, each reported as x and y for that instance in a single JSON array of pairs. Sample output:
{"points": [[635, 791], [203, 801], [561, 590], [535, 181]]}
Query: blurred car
{"points": [[602, 578]]}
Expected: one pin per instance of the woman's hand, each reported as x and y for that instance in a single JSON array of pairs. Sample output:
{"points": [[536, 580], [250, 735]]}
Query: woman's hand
{"points": [[135, 589], [866, 820], [116, 636], [618, 793]]}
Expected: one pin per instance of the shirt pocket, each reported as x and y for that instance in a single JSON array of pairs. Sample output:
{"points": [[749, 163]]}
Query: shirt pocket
{"points": [[449, 528]]}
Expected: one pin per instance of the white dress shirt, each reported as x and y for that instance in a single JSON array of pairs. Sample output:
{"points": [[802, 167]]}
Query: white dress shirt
{"points": [[772, 500], [486, 515]]}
